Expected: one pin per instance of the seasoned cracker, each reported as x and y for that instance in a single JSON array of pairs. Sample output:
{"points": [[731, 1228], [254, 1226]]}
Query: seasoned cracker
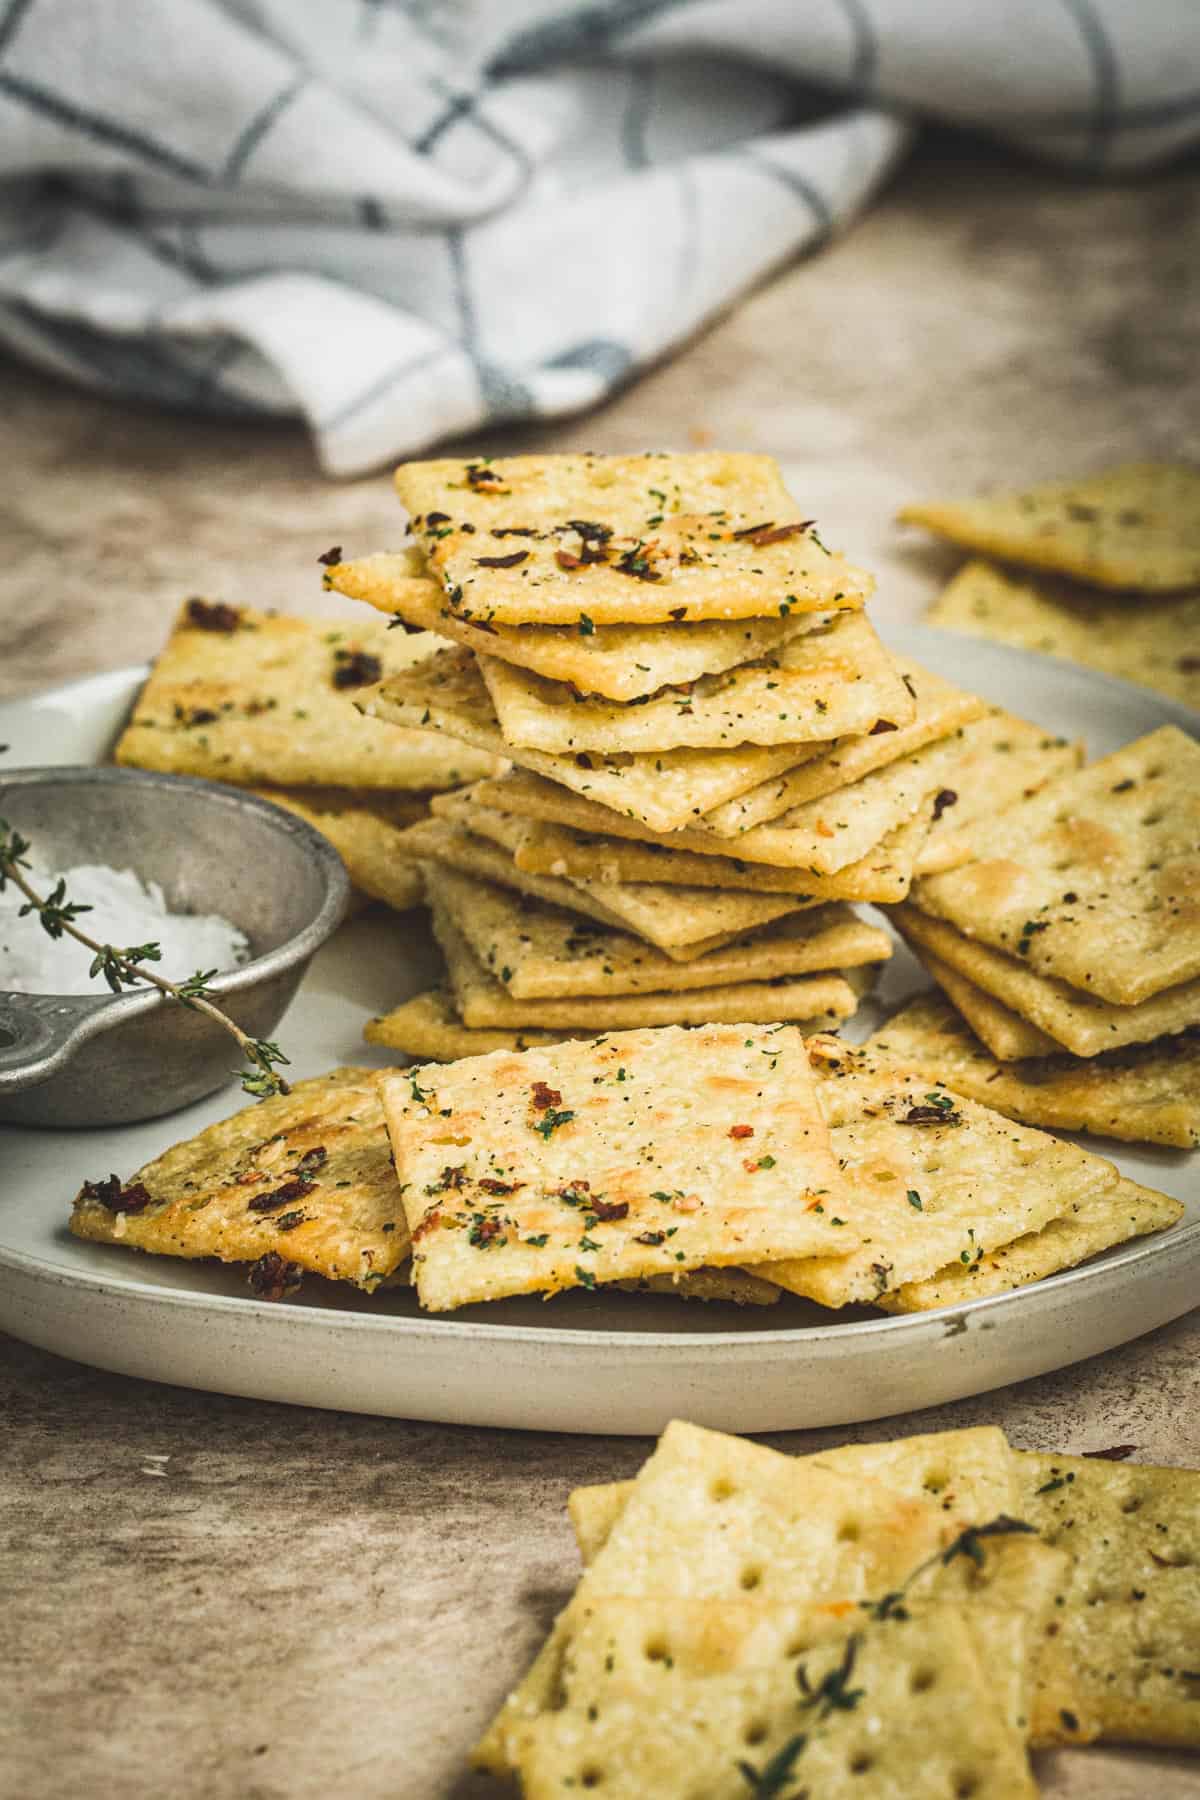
{"points": [[1099, 1221], [577, 540], [1008, 1036], [1076, 1021], [751, 1715], [302, 1181], [428, 1027], [817, 1001], [446, 693], [1149, 1094], [940, 708], [618, 662], [573, 836], [1129, 1621], [364, 828], [936, 1178], [1135, 527], [1147, 643], [830, 681], [700, 1148], [732, 1285], [684, 921], [252, 698], [542, 952], [997, 762]]}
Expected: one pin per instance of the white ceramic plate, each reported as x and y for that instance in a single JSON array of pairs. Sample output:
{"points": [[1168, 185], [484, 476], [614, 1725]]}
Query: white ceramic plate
{"points": [[595, 1362]]}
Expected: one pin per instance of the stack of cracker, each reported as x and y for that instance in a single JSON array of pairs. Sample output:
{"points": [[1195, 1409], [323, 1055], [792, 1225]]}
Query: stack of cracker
{"points": [[1069, 943], [261, 700], [713, 750], [1110, 572], [905, 1618]]}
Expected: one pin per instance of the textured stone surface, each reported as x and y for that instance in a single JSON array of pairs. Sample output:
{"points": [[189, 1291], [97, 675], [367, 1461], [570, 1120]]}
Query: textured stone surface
{"points": [[223, 1600]]}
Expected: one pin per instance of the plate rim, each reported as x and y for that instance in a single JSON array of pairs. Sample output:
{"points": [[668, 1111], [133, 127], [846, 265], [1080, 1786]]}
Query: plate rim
{"points": [[1141, 1253]]}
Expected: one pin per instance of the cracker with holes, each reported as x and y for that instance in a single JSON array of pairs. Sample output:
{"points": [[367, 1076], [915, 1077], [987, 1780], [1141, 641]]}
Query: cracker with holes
{"points": [[446, 693], [642, 1153], [937, 1179], [622, 540], [1151, 643], [1147, 1094], [799, 1703], [685, 922], [1008, 1036], [300, 1182], [585, 851], [940, 708], [995, 763], [818, 1001], [1096, 880], [364, 828], [1135, 527], [1076, 1021], [1129, 1624], [617, 662], [542, 952], [248, 697], [832, 680], [716, 1518], [1096, 1222]]}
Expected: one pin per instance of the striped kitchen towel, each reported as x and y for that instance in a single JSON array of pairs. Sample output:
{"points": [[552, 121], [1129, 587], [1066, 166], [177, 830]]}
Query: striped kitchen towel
{"points": [[406, 219]]}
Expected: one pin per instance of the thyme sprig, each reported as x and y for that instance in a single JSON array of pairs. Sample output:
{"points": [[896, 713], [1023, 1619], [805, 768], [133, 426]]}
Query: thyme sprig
{"points": [[968, 1543], [770, 1781], [123, 966]]}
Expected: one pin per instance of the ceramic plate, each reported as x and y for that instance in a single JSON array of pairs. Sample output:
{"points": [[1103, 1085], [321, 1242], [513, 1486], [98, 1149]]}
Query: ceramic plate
{"points": [[585, 1362]]}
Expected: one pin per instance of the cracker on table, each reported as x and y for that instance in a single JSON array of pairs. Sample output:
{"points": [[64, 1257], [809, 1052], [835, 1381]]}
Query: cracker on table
{"points": [[1096, 880], [248, 697], [1135, 527], [713, 1517], [883, 875], [1147, 1094], [446, 693], [576, 835], [683, 921], [638, 1153], [927, 1709], [937, 1178], [1128, 1624], [429, 1028], [827, 682], [1078, 1022], [940, 708], [541, 952], [1008, 1036], [619, 662], [364, 828], [994, 763], [817, 1001], [1149, 643], [302, 1181], [1099, 1221], [578, 540]]}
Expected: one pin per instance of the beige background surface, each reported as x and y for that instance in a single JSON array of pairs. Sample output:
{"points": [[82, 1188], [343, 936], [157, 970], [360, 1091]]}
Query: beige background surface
{"points": [[210, 1597]]}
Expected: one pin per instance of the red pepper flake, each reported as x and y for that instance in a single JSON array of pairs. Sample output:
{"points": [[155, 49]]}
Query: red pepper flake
{"points": [[749, 531], [212, 615], [272, 1277], [490, 1185], [678, 612], [430, 1222], [650, 1237], [484, 1232], [312, 1159], [1116, 1453], [330, 558], [775, 534], [565, 560], [295, 1189], [132, 1199], [881, 725], [1188, 665], [741, 1131], [544, 1096], [931, 1115], [356, 668], [944, 798], [502, 562], [608, 1210]]}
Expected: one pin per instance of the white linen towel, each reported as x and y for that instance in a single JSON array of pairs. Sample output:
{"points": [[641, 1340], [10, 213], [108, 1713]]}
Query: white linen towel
{"points": [[407, 219]]}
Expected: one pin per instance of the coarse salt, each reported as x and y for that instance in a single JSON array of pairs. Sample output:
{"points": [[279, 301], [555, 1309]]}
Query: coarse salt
{"points": [[125, 911]]}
